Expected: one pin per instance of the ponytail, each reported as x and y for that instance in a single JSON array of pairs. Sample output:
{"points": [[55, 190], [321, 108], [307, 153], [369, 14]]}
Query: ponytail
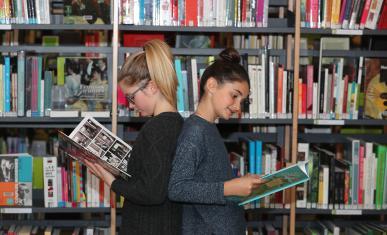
{"points": [[154, 63]]}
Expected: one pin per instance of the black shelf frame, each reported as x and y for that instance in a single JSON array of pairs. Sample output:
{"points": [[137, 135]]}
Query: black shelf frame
{"points": [[344, 53], [314, 211], [340, 138], [60, 223], [209, 51], [280, 29], [342, 32], [49, 122], [12, 210], [56, 49], [56, 26]]}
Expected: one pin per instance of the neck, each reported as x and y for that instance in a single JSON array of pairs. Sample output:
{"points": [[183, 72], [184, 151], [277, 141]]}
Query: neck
{"points": [[206, 111], [163, 106]]}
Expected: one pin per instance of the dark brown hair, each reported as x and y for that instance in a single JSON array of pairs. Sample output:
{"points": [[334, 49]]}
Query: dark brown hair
{"points": [[226, 68]]}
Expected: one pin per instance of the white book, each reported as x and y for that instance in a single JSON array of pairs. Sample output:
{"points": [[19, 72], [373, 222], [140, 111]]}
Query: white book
{"points": [[373, 14], [195, 85], [50, 181], [325, 186], [93, 142]]}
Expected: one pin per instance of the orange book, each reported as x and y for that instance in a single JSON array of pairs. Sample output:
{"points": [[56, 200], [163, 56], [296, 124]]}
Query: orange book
{"points": [[328, 13], [191, 13], [8, 193], [335, 18]]}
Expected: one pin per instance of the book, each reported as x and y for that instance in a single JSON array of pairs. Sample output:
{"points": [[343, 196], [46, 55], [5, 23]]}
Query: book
{"points": [[87, 12], [93, 142], [285, 178]]}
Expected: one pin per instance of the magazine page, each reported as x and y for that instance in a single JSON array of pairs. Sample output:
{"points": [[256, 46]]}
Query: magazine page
{"points": [[92, 141], [280, 180]]}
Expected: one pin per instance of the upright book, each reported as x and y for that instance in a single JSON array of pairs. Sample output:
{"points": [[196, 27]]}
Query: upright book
{"points": [[93, 142], [278, 181]]}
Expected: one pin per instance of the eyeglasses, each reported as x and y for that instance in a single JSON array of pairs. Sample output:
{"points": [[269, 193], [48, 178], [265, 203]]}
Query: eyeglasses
{"points": [[131, 97]]}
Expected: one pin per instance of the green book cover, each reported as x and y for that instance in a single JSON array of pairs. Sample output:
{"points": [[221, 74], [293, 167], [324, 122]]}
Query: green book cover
{"points": [[278, 181], [37, 173], [61, 71]]}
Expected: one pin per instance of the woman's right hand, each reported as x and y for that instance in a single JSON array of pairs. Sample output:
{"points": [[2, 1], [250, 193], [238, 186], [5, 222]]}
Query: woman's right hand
{"points": [[242, 186]]}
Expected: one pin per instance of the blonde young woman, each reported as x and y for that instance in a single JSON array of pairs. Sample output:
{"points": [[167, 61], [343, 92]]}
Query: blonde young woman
{"points": [[149, 82]]}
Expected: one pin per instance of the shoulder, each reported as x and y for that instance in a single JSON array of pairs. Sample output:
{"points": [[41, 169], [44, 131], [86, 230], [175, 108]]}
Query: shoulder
{"points": [[194, 130], [164, 123]]}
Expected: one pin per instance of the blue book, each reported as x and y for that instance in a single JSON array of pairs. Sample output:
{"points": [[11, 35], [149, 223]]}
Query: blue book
{"points": [[252, 157], [180, 95], [278, 181], [258, 154], [7, 84], [25, 168]]}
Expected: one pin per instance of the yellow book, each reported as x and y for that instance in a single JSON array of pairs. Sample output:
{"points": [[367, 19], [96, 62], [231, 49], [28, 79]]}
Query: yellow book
{"points": [[335, 20]]}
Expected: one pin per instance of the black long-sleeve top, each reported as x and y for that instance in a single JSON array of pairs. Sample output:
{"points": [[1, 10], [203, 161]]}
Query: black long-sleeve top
{"points": [[147, 209]]}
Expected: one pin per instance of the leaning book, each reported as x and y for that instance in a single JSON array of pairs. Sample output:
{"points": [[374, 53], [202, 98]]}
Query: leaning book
{"points": [[93, 142], [278, 181]]}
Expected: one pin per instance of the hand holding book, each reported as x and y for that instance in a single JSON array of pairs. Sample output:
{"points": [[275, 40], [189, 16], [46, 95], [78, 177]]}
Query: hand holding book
{"points": [[100, 172], [275, 182], [94, 145], [242, 186]]}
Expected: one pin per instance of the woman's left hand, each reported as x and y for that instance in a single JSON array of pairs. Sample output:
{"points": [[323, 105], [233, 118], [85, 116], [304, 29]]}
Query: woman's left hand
{"points": [[100, 172]]}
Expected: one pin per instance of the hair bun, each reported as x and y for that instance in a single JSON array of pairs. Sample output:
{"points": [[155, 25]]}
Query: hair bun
{"points": [[230, 55]]}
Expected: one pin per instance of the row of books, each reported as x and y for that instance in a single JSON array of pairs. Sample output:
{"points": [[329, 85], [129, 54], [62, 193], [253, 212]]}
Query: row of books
{"points": [[30, 88], [218, 13], [346, 14], [70, 185], [15, 229], [356, 181], [57, 11]]}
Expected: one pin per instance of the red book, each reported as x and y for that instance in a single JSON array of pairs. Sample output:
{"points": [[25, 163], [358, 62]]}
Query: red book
{"points": [[304, 92], [191, 13], [364, 14], [361, 175], [139, 39], [280, 88], [383, 17]]}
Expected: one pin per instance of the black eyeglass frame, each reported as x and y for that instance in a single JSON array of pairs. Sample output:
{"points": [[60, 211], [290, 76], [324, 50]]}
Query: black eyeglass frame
{"points": [[130, 97]]}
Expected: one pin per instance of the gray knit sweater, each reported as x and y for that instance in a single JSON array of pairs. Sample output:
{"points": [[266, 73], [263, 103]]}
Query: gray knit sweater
{"points": [[199, 170]]}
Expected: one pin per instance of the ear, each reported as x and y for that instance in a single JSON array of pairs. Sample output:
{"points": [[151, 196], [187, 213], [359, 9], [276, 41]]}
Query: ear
{"points": [[152, 87], [211, 85]]}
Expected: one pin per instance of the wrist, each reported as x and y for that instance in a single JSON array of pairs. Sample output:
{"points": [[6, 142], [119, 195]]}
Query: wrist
{"points": [[227, 191]]}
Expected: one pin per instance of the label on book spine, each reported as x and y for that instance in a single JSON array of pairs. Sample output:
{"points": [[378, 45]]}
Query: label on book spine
{"points": [[16, 210], [329, 122], [347, 31], [346, 212]]}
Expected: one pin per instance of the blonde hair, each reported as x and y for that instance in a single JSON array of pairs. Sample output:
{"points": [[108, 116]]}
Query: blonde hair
{"points": [[154, 63]]}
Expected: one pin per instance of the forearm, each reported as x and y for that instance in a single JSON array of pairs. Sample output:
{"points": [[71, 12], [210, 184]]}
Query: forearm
{"points": [[197, 192]]}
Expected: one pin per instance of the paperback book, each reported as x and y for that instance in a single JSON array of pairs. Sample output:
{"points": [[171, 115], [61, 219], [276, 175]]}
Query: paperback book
{"points": [[93, 142], [278, 181]]}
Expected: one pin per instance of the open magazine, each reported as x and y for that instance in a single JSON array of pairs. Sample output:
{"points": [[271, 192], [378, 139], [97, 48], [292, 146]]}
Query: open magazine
{"points": [[92, 141], [279, 180]]}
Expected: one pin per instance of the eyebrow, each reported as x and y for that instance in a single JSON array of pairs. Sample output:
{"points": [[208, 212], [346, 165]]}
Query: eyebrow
{"points": [[238, 91]]}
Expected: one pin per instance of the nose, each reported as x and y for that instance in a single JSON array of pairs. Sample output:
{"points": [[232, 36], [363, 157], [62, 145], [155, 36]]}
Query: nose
{"points": [[236, 106], [131, 105]]}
